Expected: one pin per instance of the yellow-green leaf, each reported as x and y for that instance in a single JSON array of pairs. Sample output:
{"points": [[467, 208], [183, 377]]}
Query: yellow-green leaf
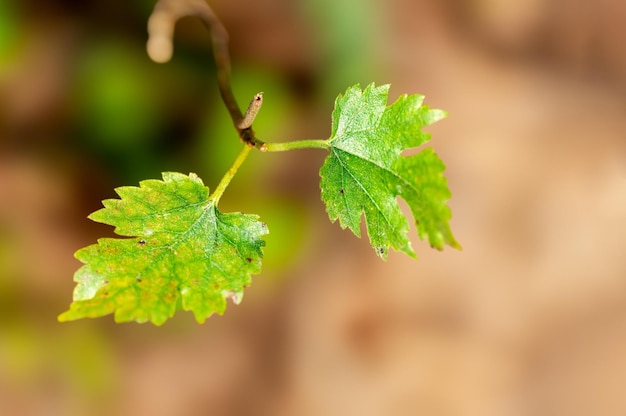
{"points": [[183, 253]]}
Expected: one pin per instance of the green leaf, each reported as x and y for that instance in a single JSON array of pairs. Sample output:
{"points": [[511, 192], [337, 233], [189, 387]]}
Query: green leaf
{"points": [[184, 254], [365, 171]]}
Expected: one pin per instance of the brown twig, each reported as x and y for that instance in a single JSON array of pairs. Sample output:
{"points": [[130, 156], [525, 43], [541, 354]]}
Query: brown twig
{"points": [[161, 32], [251, 112]]}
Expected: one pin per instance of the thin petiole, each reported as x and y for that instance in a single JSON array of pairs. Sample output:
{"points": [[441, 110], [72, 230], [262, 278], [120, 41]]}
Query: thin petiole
{"points": [[298, 144], [230, 174]]}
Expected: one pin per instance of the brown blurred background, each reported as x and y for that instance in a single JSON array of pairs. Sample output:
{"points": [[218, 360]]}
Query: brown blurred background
{"points": [[529, 319]]}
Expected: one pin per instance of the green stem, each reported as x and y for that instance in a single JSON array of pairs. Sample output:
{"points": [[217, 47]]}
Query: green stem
{"points": [[299, 144], [264, 147], [228, 176]]}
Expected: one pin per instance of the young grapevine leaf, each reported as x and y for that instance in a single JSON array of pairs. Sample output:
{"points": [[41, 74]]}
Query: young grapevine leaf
{"points": [[184, 254], [365, 171]]}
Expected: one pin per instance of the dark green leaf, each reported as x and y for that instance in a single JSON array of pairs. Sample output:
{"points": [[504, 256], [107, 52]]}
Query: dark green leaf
{"points": [[365, 171]]}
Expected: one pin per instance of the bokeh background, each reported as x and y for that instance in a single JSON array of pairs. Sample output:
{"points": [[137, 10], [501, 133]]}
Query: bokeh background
{"points": [[528, 319]]}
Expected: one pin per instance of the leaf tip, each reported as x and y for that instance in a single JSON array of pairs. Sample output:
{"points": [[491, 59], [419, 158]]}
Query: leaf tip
{"points": [[382, 252], [100, 215], [63, 317], [455, 244], [435, 115]]}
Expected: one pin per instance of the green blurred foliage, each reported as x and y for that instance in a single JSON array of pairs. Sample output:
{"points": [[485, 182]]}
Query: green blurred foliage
{"points": [[117, 102], [9, 34], [135, 114], [348, 35], [80, 356]]}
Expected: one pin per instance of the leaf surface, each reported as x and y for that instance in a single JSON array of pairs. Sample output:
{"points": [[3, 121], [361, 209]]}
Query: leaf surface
{"points": [[365, 170], [183, 254]]}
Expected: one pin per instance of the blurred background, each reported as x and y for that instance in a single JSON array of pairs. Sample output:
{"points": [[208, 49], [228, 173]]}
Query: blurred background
{"points": [[529, 319]]}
